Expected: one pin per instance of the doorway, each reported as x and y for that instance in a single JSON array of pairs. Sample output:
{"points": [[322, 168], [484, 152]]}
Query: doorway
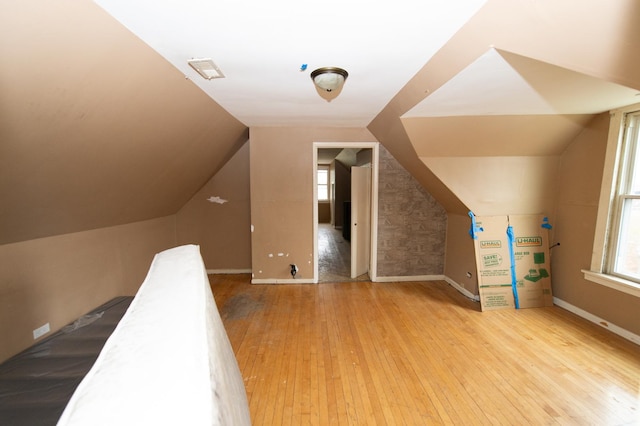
{"points": [[350, 256]]}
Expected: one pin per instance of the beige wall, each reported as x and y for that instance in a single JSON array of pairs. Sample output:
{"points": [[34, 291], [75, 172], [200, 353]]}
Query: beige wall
{"points": [[57, 279], [579, 184], [107, 133], [222, 230], [324, 212], [411, 224], [500, 185], [282, 196], [460, 253]]}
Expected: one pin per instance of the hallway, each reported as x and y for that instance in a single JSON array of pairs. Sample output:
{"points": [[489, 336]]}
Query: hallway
{"points": [[334, 256]]}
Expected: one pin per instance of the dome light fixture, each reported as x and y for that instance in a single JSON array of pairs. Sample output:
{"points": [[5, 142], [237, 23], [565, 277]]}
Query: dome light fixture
{"points": [[329, 79]]}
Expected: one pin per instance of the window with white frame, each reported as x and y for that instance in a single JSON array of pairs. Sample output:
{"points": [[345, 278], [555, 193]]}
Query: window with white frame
{"points": [[616, 252], [323, 183], [623, 257]]}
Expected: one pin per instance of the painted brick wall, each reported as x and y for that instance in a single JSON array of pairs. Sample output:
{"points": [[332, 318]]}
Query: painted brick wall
{"points": [[411, 224]]}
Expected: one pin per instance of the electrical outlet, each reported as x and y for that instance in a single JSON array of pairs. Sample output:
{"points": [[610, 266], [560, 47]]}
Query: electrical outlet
{"points": [[40, 331]]}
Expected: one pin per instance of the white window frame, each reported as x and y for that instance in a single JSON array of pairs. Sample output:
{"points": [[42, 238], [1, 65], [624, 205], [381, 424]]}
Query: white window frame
{"points": [[608, 209], [327, 184]]}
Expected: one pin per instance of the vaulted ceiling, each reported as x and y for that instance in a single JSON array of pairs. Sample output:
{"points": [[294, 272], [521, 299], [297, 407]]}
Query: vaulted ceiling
{"points": [[102, 122]]}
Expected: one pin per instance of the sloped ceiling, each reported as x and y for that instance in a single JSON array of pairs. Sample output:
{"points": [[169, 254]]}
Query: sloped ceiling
{"points": [[103, 123], [262, 48], [520, 79], [504, 83], [96, 129], [504, 104]]}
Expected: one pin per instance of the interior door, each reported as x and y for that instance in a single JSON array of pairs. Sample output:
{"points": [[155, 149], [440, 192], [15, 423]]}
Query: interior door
{"points": [[360, 220]]}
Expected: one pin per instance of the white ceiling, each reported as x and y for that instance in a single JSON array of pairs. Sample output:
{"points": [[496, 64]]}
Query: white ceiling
{"points": [[503, 83], [261, 46]]}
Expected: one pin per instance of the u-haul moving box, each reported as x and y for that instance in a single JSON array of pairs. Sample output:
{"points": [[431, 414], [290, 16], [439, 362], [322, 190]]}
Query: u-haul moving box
{"points": [[493, 263], [530, 247], [531, 254]]}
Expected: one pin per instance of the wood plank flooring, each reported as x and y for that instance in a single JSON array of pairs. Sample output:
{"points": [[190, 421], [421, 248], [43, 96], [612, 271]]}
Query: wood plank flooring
{"points": [[420, 353]]}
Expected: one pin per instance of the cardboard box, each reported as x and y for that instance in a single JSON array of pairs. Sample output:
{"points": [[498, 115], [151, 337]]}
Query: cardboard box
{"points": [[531, 253], [493, 263], [530, 257]]}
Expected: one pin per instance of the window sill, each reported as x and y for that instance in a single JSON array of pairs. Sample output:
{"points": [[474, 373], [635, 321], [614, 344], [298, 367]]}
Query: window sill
{"points": [[615, 283]]}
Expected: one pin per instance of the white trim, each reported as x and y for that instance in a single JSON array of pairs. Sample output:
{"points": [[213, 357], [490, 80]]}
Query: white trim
{"points": [[375, 167], [462, 290], [315, 215], [375, 155], [613, 282], [228, 271], [323, 167], [608, 187], [607, 191], [282, 281], [410, 278], [597, 320]]}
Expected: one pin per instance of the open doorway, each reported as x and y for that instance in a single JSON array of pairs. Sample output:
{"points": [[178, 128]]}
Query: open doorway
{"points": [[345, 220]]}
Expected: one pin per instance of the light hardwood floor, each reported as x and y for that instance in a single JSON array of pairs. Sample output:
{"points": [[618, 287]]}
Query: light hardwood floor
{"points": [[420, 353]]}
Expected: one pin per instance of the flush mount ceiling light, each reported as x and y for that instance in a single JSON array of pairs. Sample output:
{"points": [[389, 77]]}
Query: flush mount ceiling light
{"points": [[206, 68], [329, 79]]}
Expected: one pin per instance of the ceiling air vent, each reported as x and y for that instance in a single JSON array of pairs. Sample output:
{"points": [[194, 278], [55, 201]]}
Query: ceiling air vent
{"points": [[206, 68]]}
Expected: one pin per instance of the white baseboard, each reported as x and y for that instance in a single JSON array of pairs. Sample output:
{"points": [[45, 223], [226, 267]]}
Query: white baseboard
{"points": [[462, 290], [598, 321], [283, 281], [228, 271], [409, 278]]}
